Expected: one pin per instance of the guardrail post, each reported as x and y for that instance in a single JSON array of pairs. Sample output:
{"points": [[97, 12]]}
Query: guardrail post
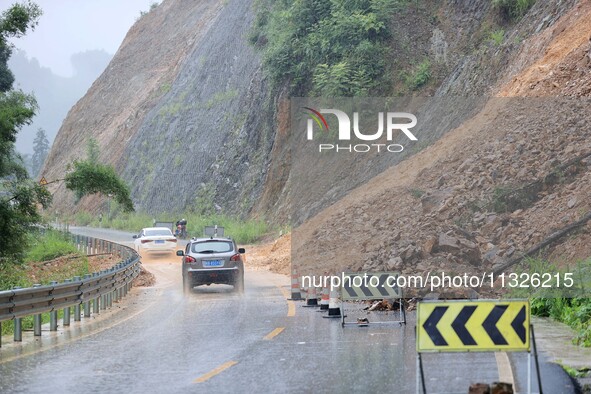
{"points": [[95, 302], [87, 303], [18, 326], [53, 316], [18, 329], [77, 306], [77, 312], [37, 320], [67, 311]]}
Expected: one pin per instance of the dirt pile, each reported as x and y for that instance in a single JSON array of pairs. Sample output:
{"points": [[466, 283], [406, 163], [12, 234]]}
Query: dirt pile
{"points": [[145, 279], [274, 255]]}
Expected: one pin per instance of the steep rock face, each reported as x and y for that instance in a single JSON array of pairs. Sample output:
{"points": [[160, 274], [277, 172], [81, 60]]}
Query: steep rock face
{"points": [[208, 137], [148, 60]]}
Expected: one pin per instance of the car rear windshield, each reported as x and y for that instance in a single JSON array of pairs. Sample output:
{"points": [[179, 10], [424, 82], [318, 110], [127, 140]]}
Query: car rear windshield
{"points": [[151, 233], [212, 247]]}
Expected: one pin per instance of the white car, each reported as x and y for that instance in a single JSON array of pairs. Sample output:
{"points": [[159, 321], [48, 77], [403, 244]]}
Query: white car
{"points": [[155, 240]]}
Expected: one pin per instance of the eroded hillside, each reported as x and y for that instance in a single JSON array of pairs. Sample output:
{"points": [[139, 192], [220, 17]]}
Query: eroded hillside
{"points": [[496, 186], [112, 111]]}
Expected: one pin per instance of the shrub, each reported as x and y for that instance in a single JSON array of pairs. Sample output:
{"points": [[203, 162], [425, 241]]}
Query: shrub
{"points": [[329, 48], [497, 37], [419, 77], [512, 9]]}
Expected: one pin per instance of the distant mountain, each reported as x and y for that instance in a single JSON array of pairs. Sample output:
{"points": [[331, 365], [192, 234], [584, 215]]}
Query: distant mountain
{"points": [[55, 94]]}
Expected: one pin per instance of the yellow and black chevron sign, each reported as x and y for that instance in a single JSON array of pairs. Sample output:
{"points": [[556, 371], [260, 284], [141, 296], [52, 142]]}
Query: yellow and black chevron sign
{"points": [[459, 326], [370, 286]]}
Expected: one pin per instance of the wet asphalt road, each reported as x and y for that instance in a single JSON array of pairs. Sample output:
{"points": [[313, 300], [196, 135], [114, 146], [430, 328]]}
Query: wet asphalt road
{"points": [[216, 341]]}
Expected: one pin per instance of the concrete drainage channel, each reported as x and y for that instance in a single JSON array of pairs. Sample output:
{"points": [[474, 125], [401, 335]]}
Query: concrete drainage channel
{"points": [[77, 296]]}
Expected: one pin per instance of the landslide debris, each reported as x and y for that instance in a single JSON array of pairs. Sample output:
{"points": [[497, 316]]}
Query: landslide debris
{"points": [[501, 183]]}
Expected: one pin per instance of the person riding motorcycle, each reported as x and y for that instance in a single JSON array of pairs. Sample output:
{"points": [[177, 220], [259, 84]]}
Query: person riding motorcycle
{"points": [[181, 228]]}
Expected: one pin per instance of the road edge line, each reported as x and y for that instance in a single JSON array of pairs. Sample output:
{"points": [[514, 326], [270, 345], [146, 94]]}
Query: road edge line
{"points": [[504, 368]]}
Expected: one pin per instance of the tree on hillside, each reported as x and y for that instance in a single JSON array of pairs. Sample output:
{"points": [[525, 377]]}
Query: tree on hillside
{"points": [[19, 195], [90, 176], [92, 150], [40, 151]]}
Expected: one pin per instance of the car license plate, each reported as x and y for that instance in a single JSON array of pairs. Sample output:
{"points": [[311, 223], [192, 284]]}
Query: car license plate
{"points": [[159, 241], [213, 263]]}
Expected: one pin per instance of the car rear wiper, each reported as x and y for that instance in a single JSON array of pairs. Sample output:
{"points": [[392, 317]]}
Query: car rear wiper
{"points": [[207, 251]]}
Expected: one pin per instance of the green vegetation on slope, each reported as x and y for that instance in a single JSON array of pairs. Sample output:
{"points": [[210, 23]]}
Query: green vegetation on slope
{"points": [[91, 177], [571, 306], [326, 47], [513, 9], [48, 246], [44, 245]]}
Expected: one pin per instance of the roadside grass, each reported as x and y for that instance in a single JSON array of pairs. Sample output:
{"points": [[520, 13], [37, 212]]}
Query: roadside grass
{"points": [[44, 246], [243, 231], [569, 305], [48, 245]]}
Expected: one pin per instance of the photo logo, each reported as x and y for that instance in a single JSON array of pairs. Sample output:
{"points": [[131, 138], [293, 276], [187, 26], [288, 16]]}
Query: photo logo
{"points": [[394, 122]]}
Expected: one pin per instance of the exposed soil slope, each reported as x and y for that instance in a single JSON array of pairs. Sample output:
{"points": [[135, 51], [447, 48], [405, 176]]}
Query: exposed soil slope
{"points": [[436, 210]]}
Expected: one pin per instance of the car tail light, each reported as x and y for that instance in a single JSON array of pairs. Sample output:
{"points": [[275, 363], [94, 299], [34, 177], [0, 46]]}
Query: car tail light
{"points": [[146, 241], [236, 257], [172, 240], [189, 259]]}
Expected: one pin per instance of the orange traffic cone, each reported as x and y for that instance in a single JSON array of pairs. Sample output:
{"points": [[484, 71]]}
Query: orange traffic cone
{"points": [[324, 300], [311, 298], [296, 295], [334, 307]]}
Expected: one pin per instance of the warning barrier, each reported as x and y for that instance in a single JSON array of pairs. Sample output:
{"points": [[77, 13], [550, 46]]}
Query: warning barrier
{"points": [[296, 294], [359, 286], [474, 326], [311, 298], [324, 299], [334, 305]]}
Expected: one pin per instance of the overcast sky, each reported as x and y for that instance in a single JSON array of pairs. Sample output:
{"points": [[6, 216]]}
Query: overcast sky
{"points": [[71, 26]]}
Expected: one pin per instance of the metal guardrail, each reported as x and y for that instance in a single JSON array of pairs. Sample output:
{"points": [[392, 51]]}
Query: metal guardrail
{"points": [[99, 289]]}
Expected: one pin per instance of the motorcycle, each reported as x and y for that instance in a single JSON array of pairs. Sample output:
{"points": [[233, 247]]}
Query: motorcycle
{"points": [[181, 230]]}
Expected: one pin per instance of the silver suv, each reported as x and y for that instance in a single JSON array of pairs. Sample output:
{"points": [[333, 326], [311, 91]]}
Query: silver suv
{"points": [[212, 260]]}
